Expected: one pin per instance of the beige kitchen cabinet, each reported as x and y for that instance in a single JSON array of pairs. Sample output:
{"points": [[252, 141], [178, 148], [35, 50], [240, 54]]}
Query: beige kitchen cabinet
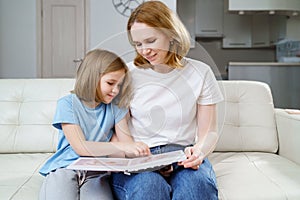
{"points": [[260, 31], [253, 31], [186, 12], [237, 30], [277, 28], [263, 5], [209, 18]]}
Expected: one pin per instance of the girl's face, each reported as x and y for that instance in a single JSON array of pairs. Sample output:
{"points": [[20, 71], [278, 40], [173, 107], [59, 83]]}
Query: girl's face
{"points": [[150, 43], [110, 84]]}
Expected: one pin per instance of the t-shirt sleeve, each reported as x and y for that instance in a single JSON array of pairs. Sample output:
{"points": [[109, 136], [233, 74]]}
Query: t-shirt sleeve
{"points": [[211, 93], [119, 113], [64, 112]]}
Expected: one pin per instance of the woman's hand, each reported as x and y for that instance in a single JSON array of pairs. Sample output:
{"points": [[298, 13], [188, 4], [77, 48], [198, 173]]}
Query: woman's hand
{"points": [[194, 157], [135, 149]]}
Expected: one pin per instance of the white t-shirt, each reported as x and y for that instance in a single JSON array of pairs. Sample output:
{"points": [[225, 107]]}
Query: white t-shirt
{"points": [[164, 106]]}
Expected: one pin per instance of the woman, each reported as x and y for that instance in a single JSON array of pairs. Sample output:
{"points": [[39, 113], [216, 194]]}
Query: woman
{"points": [[174, 107]]}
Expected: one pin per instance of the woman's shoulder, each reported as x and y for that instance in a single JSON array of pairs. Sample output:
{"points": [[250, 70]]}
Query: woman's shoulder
{"points": [[135, 71], [195, 65]]}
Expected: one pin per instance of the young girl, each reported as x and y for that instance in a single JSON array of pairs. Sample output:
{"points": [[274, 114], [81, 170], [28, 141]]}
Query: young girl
{"points": [[91, 122]]}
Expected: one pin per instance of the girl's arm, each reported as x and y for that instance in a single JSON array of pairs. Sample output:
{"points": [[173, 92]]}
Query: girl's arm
{"points": [[207, 136], [122, 130], [83, 147], [123, 135]]}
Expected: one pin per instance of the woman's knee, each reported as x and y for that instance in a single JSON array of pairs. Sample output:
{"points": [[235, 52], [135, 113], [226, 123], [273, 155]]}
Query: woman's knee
{"points": [[146, 185], [195, 184]]}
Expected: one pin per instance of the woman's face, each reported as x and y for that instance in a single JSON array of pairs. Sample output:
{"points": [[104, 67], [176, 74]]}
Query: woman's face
{"points": [[110, 84], [150, 43]]}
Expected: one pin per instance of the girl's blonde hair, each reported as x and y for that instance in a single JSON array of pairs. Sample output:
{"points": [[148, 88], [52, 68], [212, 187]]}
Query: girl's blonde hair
{"points": [[97, 63], [157, 15]]}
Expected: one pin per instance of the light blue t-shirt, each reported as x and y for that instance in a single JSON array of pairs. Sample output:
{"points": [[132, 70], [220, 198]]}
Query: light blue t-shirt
{"points": [[97, 124]]}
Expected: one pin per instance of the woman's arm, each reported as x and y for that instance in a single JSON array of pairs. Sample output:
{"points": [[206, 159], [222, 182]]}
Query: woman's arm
{"points": [[207, 136], [207, 129]]}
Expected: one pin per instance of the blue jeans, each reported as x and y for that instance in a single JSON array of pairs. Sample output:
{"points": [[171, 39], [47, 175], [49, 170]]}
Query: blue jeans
{"points": [[182, 184]]}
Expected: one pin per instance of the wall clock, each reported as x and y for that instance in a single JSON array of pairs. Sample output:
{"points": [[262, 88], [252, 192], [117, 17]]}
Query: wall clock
{"points": [[125, 7]]}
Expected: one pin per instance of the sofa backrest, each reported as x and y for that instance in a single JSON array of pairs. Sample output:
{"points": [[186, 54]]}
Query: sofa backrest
{"points": [[246, 118], [27, 107]]}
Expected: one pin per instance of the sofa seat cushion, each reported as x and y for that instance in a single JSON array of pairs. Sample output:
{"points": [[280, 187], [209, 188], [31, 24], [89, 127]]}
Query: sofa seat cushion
{"points": [[19, 177], [255, 175]]}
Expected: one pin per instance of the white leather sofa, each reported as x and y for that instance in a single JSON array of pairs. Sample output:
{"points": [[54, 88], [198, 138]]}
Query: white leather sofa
{"points": [[257, 157]]}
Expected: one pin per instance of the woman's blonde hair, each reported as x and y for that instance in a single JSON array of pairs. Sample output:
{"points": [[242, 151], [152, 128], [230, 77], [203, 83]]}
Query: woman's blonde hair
{"points": [[157, 15], [97, 63]]}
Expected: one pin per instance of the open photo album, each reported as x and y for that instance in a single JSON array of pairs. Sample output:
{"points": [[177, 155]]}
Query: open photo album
{"points": [[128, 165]]}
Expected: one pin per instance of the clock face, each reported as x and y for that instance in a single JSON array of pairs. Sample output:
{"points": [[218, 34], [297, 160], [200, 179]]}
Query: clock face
{"points": [[125, 7]]}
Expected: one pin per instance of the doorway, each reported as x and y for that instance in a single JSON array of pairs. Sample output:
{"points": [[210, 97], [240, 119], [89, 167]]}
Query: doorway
{"points": [[63, 39]]}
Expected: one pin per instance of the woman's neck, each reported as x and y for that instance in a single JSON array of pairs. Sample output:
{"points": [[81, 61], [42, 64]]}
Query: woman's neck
{"points": [[162, 68]]}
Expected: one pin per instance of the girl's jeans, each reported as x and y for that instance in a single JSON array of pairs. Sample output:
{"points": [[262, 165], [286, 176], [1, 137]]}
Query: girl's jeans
{"points": [[182, 184]]}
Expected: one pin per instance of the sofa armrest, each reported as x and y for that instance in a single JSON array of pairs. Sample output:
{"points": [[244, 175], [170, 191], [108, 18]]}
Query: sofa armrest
{"points": [[288, 128]]}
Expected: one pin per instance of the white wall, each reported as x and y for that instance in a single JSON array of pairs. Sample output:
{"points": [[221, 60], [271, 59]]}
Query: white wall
{"points": [[17, 38], [108, 28]]}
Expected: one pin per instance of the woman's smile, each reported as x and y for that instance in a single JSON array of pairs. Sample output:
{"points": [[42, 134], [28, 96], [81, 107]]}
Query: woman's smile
{"points": [[151, 43]]}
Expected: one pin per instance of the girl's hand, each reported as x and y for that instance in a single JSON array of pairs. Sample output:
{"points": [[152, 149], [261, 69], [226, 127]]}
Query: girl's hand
{"points": [[136, 149], [194, 158]]}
